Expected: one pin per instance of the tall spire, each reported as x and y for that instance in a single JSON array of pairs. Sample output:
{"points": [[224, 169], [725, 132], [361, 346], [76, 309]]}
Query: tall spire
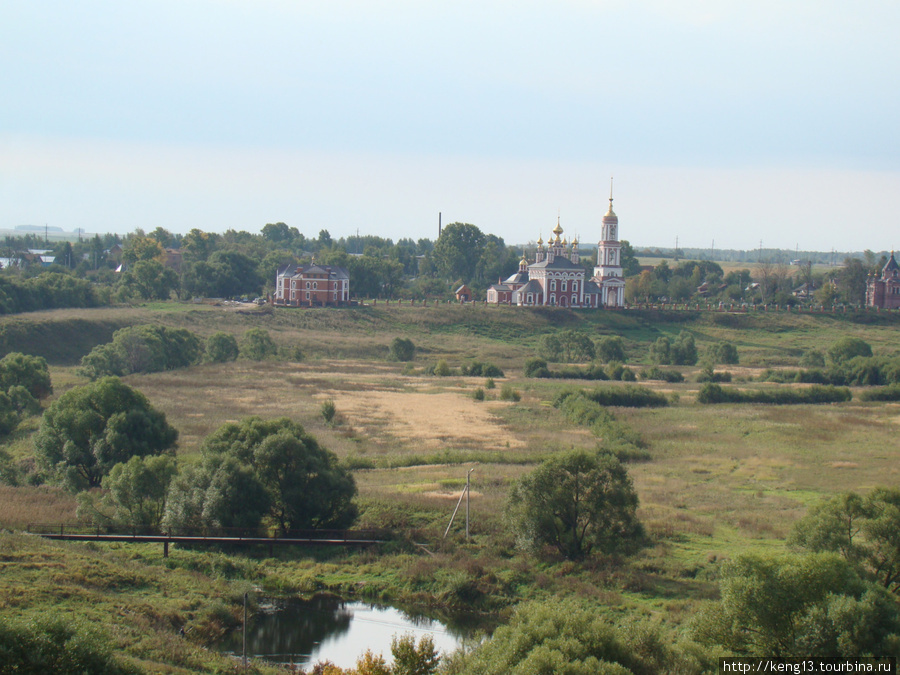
{"points": [[610, 213]]}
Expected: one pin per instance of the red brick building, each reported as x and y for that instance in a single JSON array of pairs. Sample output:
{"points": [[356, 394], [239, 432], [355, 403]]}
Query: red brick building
{"points": [[883, 290], [312, 286]]}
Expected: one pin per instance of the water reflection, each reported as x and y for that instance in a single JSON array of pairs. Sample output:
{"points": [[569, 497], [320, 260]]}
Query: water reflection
{"points": [[327, 628]]}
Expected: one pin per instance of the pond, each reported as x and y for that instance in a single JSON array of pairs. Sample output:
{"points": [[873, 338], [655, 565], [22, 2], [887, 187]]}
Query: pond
{"points": [[326, 627]]}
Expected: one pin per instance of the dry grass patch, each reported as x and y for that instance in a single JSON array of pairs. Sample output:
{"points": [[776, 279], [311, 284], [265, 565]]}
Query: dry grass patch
{"points": [[21, 506], [426, 421]]}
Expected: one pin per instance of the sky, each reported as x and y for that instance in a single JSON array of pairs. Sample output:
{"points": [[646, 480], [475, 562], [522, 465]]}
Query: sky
{"points": [[725, 123]]}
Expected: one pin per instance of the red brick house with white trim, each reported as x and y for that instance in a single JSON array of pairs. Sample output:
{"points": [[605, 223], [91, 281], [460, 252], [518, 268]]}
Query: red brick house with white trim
{"points": [[312, 286]]}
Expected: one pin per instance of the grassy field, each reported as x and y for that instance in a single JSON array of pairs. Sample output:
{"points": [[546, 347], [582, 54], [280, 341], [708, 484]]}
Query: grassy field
{"points": [[720, 480]]}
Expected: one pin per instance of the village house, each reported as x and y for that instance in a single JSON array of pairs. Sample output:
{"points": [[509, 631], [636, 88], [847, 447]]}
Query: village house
{"points": [[312, 286]]}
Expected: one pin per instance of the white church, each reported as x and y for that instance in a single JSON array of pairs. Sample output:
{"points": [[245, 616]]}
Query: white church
{"points": [[557, 278]]}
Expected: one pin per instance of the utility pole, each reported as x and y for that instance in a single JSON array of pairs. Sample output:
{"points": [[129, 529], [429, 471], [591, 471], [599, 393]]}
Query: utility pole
{"points": [[467, 501], [244, 639], [465, 493]]}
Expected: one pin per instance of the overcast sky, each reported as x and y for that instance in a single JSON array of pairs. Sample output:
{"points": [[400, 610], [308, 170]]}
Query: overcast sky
{"points": [[737, 122]]}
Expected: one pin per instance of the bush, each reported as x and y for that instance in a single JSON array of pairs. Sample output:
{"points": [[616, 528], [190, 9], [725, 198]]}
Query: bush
{"points": [[328, 410], [478, 394], [724, 352], [31, 372], [507, 393], [657, 373], [611, 348], [441, 369], [142, 349], [478, 369], [712, 393], [535, 367], [813, 358], [707, 374], [847, 348], [629, 396], [257, 345], [889, 393], [489, 383], [221, 348], [402, 349], [48, 644]]}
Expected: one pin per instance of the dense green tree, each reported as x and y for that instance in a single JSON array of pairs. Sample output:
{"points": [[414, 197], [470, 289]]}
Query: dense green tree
{"points": [[90, 429], [291, 478], [572, 638], [198, 245], [661, 351], [402, 349], [280, 233], [31, 372], [458, 251], [222, 492], [257, 345], [566, 346], [578, 502], [851, 282], [149, 280], [813, 605], [611, 348], [723, 352], [847, 348], [412, 659], [864, 530], [136, 492], [147, 348], [65, 256], [221, 347], [138, 247], [684, 350]]}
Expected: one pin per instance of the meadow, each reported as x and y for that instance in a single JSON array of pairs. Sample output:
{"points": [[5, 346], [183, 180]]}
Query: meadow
{"points": [[717, 480]]}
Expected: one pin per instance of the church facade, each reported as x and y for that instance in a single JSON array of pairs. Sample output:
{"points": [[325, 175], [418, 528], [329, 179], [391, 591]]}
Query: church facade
{"points": [[557, 277], [883, 290]]}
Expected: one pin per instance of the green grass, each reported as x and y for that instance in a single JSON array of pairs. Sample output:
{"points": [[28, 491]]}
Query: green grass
{"points": [[720, 480]]}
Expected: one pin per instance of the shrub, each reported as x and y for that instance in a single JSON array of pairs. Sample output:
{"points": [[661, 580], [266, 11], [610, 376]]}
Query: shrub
{"points": [[888, 393], [724, 352], [629, 396], [441, 369], [257, 345], [507, 393], [478, 369], [478, 394], [611, 348], [712, 393], [328, 410], [221, 348], [402, 349], [142, 349], [813, 358], [707, 374], [847, 348], [31, 372], [48, 644], [657, 373], [489, 383], [535, 367]]}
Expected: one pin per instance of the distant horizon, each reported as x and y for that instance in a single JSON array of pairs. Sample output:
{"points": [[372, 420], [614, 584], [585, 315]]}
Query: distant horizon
{"points": [[70, 234]]}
